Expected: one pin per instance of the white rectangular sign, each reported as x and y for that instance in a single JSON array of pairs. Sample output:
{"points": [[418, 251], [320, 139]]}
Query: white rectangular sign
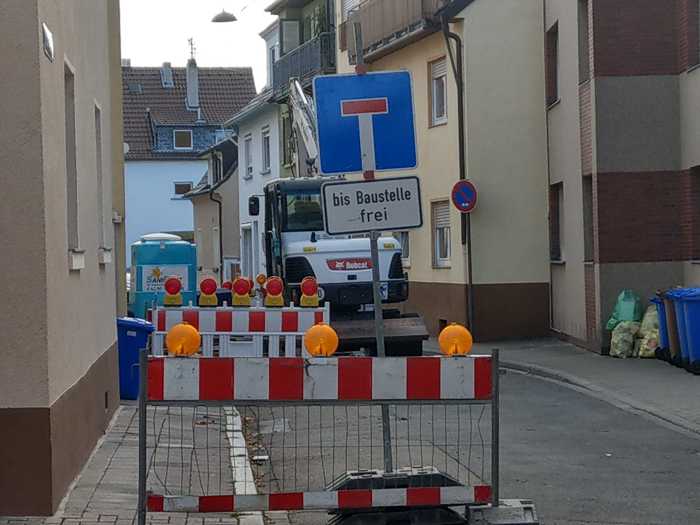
{"points": [[153, 277], [377, 205]]}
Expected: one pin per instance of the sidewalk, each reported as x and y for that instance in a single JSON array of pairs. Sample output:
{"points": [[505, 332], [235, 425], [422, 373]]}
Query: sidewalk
{"points": [[648, 386], [105, 492]]}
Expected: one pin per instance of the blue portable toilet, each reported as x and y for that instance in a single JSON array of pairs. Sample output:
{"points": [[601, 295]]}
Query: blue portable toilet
{"points": [[155, 258]]}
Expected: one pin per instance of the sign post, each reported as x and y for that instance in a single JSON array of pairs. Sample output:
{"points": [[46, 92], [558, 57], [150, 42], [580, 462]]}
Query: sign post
{"points": [[366, 124]]}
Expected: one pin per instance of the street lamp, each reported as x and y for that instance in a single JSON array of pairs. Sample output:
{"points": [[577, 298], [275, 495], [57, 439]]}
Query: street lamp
{"points": [[224, 16]]}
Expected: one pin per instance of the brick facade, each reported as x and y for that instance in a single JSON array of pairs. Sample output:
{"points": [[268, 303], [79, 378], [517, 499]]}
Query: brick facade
{"points": [[639, 216], [638, 37], [689, 34], [690, 214], [586, 123], [591, 309]]}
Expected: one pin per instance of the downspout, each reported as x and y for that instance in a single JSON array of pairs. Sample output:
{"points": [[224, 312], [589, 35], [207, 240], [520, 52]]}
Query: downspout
{"points": [[457, 63], [221, 233]]}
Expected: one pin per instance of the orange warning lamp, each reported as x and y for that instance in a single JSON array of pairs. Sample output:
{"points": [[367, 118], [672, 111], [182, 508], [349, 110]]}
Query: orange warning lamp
{"points": [[321, 340], [241, 291], [309, 293], [261, 279], [207, 297], [455, 339], [183, 340], [274, 288], [173, 297]]}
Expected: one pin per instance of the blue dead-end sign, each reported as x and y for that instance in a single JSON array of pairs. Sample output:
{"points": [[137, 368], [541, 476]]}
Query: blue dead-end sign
{"points": [[365, 122], [464, 196]]}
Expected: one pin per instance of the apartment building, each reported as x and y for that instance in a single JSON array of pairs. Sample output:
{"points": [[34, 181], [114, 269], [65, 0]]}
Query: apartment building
{"points": [[622, 95], [61, 169], [172, 115], [505, 155]]}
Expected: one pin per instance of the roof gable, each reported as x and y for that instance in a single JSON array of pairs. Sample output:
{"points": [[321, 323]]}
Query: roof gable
{"points": [[222, 93]]}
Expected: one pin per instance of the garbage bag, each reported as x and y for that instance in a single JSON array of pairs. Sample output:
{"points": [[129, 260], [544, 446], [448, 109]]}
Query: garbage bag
{"points": [[622, 342], [649, 344], [627, 308], [650, 322]]}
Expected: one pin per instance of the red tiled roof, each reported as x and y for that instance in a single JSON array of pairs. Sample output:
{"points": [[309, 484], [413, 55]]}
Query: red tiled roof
{"points": [[222, 93]]}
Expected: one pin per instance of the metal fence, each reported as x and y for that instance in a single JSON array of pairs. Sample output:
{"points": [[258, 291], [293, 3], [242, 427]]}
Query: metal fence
{"points": [[258, 434]]}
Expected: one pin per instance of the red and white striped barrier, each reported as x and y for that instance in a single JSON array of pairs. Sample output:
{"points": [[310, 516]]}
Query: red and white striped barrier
{"points": [[320, 379], [256, 324], [327, 500]]}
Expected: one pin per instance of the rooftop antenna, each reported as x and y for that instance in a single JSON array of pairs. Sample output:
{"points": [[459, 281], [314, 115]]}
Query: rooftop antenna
{"points": [[193, 48]]}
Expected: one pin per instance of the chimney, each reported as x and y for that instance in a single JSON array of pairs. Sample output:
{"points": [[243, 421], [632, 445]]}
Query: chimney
{"points": [[166, 75], [192, 85]]}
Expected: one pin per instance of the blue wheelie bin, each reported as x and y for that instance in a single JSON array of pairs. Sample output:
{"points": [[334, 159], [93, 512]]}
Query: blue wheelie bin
{"points": [[676, 295], [663, 327], [691, 310], [132, 336]]}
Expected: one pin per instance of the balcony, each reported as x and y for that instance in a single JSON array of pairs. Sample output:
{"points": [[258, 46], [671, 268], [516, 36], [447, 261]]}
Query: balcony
{"points": [[314, 57], [387, 26]]}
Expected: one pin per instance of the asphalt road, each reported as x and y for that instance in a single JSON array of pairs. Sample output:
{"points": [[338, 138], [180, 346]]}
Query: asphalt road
{"points": [[584, 461]]}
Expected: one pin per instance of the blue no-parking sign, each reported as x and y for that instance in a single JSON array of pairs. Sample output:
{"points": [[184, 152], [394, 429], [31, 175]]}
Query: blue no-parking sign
{"points": [[365, 122], [464, 196]]}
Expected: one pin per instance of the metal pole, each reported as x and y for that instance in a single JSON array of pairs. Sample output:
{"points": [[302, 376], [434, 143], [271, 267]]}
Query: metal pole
{"points": [[361, 69], [381, 349], [495, 429], [143, 375], [457, 62]]}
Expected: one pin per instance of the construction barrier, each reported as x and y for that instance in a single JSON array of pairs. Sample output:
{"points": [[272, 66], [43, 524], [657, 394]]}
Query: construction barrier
{"points": [[295, 434], [241, 332]]}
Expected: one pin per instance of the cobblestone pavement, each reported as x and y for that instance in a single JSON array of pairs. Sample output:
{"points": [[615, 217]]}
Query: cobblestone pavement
{"points": [[105, 492]]}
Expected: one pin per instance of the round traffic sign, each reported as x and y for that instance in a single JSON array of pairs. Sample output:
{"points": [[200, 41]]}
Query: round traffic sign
{"points": [[464, 196]]}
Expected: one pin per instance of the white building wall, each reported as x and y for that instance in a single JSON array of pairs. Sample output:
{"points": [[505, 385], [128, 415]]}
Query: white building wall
{"points": [[151, 203], [265, 117]]}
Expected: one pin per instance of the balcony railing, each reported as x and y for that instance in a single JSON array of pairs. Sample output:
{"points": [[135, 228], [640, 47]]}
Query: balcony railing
{"points": [[386, 23], [314, 57]]}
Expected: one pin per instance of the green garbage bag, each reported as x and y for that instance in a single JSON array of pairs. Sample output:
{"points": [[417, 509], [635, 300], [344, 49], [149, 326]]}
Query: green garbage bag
{"points": [[627, 308]]}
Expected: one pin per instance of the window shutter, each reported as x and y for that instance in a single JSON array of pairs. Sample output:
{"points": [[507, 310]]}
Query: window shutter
{"points": [[291, 37], [439, 68], [441, 214]]}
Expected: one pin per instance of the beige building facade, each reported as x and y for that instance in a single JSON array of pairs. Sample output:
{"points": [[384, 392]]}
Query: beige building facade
{"points": [[505, 158], [61, 169]]}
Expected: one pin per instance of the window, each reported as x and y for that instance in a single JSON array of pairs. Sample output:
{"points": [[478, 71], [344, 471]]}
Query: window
{"points": [[556, 205], [232, 268], [588, 218], [551, 64], [272, 58], [182, 138], [71, 165], [248, 156], [438, 92], [441, 234], [100, 179], [584, 66], [347, 6], [266, 150], [404, 240], [182, 187], [303, 212]]}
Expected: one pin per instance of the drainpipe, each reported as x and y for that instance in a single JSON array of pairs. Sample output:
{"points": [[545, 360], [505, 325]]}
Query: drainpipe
{"points": [[457, 63], [221, 233]]}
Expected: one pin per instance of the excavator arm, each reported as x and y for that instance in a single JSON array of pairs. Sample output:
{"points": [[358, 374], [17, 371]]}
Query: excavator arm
{"points": [[304, 125]]}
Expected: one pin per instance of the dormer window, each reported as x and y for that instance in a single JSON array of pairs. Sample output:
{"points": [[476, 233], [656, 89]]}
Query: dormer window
{"points": [[182, 139]]}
